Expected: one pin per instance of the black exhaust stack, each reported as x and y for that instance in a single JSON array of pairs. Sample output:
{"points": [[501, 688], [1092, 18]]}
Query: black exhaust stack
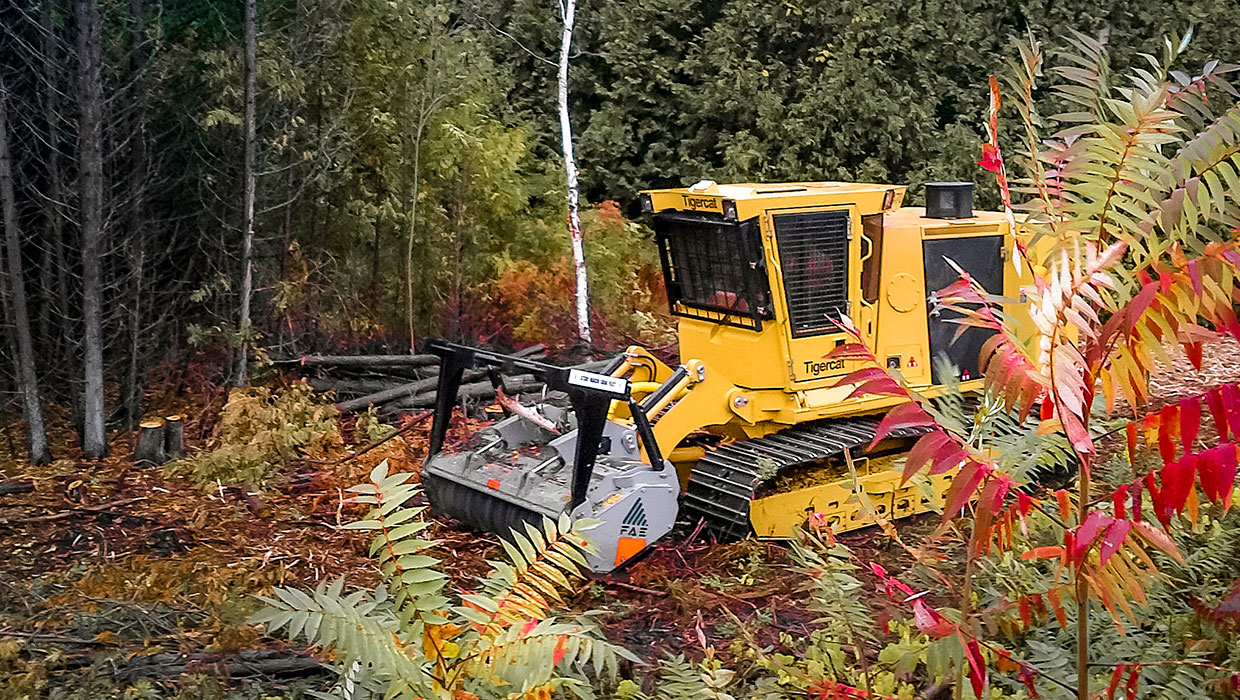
{"points": [[949, 200]]}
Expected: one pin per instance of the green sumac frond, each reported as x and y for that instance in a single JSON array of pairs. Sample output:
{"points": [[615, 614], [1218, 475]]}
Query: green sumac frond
{"points": [[359, 626], [415, 585], [408, 640], [543, 563]]}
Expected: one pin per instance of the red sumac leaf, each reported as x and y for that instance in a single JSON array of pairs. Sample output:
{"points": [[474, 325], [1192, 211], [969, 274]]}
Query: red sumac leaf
{"points": [[1214, 399], [1135, 489], [1190, 422], [963, 487], [1130, 431], [1116, 676], [1118, 499], [1087, 533], [1134, 678], [1166, 448], [1231, 405], [1225, 475], [1156, 500], [1043, 553], [1158, 538], [862, 375], [905, 415], [949, 455], [1177, 481], [1026, 612], [1116, 534], [881, 386], [1193, 351], [926, 447], [849, 351], [994, 493], [977, 667]]}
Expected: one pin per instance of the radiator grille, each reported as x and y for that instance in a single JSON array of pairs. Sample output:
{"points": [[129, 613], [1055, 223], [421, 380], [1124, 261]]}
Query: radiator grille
{"points": [[813, 253]]}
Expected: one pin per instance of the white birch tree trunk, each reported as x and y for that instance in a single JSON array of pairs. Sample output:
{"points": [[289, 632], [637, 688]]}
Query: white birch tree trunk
{"points": [[568, 10]]}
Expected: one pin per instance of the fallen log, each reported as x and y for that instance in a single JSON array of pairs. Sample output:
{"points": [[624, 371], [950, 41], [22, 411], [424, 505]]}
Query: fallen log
{"points": [[409, 390], [14, 486], [351, 387], [254, 662], [476, 391], [361, 361], [412, 389], [387, 360]]}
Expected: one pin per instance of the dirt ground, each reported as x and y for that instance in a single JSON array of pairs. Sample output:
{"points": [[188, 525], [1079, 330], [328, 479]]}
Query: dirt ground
{"points": [[113, 574]]}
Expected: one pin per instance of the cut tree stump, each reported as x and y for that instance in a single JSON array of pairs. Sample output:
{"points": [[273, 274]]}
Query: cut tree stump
{"points": [[174, 437], [149, 449]]}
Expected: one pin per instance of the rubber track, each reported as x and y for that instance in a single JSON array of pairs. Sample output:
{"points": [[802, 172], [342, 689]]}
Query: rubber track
{"points": [[722, 484]]}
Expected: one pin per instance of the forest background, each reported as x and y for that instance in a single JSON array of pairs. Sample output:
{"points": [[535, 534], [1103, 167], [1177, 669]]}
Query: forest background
{"points": [[417, 142]]}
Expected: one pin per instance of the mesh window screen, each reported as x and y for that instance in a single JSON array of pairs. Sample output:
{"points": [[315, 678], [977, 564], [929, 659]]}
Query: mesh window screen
{"points": [[713, 268], [813, 252]]}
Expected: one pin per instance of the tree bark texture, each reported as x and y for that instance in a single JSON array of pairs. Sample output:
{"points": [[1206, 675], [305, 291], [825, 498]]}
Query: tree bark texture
{"points": [[91, 185], [134, 379], [27, 380], [174, 437], [149, 447], [249, 187], [568, 9]]}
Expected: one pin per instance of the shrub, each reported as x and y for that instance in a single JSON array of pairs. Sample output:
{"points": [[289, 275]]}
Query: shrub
{"points": [[259, 431]]}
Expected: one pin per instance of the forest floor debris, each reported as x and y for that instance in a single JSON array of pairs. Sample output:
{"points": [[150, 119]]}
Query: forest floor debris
{"points": [[118, 574]]}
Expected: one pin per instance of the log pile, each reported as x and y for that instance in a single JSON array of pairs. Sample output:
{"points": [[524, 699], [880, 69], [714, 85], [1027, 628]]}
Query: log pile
{"points": [[396, 383]]}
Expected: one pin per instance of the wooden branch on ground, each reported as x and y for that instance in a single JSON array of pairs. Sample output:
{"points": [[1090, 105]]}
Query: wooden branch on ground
{"points": [[15, 486], [254, 662], [361, 361], [57, 638], [477, 391], [410, 390], [110, 505]]}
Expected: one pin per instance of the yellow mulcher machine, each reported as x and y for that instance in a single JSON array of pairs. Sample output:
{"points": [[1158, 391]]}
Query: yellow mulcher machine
{"points": [[750, 432]]}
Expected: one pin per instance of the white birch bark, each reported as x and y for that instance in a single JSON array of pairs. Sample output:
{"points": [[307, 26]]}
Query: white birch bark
{"points": [[568, 9]]}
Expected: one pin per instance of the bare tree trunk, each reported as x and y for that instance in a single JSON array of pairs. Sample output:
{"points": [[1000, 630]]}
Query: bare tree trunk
{"points": [[240, 377], [137, 213], [90, 181], [568, 10], [57, 291], [27, 381]]}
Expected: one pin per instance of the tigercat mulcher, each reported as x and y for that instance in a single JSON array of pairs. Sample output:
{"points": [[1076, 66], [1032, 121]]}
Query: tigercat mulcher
{"points": [[749, 433]]}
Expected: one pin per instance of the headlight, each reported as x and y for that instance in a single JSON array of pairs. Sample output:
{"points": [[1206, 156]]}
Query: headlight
{"points": [[729, 209], [647, 203]]}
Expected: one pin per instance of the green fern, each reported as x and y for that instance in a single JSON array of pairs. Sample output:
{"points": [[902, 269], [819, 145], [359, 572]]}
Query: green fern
{"points": [[408, 640]]}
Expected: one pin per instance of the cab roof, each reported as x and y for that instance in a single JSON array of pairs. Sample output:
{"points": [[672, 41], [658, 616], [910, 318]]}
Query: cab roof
{"points": [[751, 190]]}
